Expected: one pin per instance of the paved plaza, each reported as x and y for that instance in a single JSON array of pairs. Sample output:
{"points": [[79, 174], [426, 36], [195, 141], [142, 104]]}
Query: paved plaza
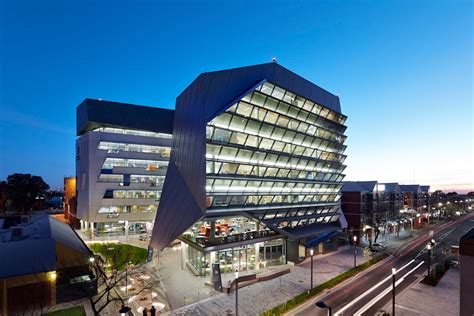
{"points": [[256, 298]]}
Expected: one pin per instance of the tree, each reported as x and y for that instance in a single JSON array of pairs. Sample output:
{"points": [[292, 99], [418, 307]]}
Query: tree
{"points": [[3, 197], [110, 274], [23, 189]]}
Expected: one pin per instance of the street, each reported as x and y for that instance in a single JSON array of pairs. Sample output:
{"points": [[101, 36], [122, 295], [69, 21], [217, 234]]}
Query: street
{"points": [[368, 292]]}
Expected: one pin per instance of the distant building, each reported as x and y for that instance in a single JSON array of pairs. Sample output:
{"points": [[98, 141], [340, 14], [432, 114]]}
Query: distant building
{"points": [[466, 263], [122, 156], [413, 196], [70, 201], [43, 263], [368, 205], [358, 203]]}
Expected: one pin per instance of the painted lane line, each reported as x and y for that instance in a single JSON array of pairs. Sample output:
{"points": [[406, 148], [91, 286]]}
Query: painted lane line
{"points": [[339, 313], [385, 292]]}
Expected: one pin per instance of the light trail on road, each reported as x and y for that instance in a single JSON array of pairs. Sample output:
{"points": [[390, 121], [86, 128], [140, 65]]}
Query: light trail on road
{"points": [[340, 313], [385, 292]]}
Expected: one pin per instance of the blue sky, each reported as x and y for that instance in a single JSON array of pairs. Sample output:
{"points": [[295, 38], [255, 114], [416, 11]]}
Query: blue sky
{"points": [[403, 70]]}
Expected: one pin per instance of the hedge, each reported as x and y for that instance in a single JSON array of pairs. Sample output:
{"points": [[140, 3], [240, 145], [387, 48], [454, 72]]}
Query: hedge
{"points": [[292, 303]]}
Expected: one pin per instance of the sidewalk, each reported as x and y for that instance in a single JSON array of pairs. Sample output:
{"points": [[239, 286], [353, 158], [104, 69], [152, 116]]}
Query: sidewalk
{"points": [[256, 298]]}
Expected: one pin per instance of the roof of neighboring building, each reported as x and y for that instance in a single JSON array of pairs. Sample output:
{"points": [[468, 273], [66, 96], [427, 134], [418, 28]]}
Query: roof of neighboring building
{"points": [[92, 114], [359, 186], [410, 187], [35, 250], [425, 188], [390, 186]]}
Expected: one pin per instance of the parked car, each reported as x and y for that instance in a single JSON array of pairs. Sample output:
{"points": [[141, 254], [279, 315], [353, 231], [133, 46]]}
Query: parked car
{"points": [[378, 247], [144, 238]]}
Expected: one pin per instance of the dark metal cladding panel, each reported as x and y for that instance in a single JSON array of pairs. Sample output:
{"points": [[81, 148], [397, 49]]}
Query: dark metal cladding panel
{"points": [[92, 114], [177, 212]]}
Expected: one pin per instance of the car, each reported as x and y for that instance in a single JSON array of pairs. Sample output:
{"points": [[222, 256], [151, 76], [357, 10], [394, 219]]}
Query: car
{"points": [[144, 238], [378, 247]]}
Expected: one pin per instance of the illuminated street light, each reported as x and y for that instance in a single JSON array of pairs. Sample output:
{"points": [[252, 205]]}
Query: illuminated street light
{"points": [[311, 252], [321, 304], [124, 310], [393, 291], [236, 292], [428, 246], [355, 250]]}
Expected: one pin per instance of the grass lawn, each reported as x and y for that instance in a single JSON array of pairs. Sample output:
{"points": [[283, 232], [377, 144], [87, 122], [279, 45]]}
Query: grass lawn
{"points": [[73, 311], [121, 254]]}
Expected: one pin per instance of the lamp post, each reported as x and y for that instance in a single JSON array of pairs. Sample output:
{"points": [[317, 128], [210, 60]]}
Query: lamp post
{"points": [[124, 310], [311, 252], [355, 250], [428, 246], [393, 291], [236, 292], [321, 304]]}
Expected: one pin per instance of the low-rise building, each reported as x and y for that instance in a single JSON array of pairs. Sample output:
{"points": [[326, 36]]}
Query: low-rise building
{"points": [[44, 262], [70, 202]]}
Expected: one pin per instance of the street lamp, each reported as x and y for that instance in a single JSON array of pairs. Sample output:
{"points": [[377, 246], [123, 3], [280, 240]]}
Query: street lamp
{"points": [[393, 291], [236, 292], [311, 252], [124, 310], [355, 250], [321, 304], [428, 246]]}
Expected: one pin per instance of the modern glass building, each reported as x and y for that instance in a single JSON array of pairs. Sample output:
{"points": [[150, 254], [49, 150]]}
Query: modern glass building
{"points": [[255, 171], [122, 154]]}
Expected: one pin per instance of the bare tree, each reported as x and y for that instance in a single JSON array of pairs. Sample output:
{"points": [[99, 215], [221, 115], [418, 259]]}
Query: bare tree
{"points": [[107, 276]]}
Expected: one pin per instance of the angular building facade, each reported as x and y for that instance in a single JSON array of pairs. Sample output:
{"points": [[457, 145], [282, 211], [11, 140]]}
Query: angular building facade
{"points": [[255, 171], [122, 154]]}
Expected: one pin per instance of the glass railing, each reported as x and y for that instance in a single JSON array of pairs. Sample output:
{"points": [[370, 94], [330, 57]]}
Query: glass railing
{"points": [[206, 241]]}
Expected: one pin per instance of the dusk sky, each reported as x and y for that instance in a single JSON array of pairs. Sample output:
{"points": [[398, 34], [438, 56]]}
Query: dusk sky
{"points": [[403, 71]]}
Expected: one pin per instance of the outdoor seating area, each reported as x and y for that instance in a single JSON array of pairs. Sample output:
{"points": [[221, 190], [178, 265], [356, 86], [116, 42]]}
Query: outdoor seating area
{"points": [[142, 297], [226, 230]]}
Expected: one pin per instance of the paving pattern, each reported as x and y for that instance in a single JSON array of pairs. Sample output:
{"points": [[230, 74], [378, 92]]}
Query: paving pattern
{"points": [[256, 298]]}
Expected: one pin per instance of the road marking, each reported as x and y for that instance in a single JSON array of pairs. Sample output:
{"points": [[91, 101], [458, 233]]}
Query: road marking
{"points": [[339, 313], [385, 292]]}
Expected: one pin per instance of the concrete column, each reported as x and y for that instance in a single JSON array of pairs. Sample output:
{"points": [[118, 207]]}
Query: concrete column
{"points": [[92, 225], [212, 260], [184, 255], [257, 255], [126, 228]]}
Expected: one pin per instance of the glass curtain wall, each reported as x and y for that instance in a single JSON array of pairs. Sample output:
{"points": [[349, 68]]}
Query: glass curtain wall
{"points": [[274, 148]]}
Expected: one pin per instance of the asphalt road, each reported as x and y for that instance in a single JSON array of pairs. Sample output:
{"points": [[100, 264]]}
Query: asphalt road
{"points": [[368, 292]]}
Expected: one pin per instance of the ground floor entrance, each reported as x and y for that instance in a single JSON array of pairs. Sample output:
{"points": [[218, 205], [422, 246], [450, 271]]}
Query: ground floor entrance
{"points": [[240, 258]]}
